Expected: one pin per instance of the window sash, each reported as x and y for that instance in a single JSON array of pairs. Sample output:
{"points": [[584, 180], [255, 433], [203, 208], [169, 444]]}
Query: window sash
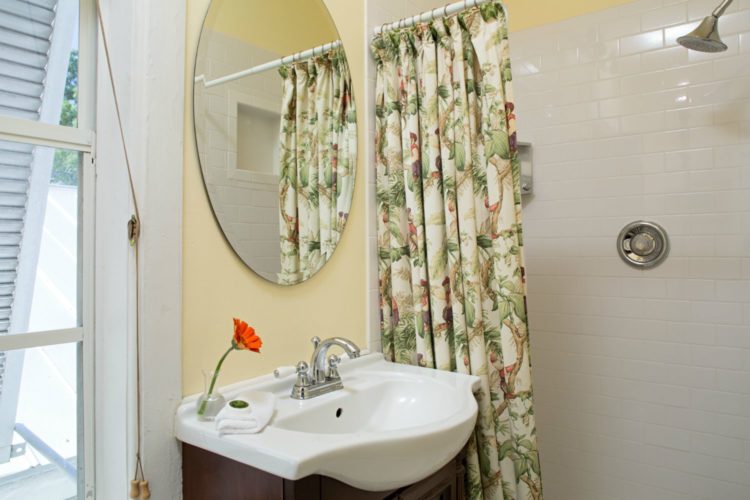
{"points": [[44, 134], [81, 139], [40, 339]]}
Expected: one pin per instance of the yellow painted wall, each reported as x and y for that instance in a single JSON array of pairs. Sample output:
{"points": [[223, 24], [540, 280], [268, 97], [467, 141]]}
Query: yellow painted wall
{"points": [[258, 22], [524, 14], [218, 286]]}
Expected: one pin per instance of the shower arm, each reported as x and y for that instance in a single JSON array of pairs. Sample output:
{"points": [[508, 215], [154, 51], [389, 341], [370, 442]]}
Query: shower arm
{"points": [[719, 11]]}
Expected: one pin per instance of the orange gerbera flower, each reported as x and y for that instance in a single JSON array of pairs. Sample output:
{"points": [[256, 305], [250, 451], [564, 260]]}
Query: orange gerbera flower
{"points": [[245, 337]]}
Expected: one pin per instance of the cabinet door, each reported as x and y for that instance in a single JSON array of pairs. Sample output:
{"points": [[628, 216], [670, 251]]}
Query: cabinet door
{"points": [[439, 486], [206, 475], [331, 489]]}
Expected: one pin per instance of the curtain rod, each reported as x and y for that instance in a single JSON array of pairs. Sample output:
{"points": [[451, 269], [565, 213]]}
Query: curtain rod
{"points": [[277, 63], [433, 14]]}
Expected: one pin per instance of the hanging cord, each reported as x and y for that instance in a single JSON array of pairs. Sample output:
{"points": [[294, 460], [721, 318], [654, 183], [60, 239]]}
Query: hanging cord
{"points": [[138, 488]]}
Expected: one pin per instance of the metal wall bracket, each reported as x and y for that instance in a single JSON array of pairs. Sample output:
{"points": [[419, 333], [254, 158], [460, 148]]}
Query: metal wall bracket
{"points": [[17, 450], [525, 158]]}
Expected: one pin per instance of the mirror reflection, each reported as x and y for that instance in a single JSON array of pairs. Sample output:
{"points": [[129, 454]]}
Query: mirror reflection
{"points": [[275, 126]]}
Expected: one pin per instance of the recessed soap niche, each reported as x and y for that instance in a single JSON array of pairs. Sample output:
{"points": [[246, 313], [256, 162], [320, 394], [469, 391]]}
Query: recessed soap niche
{"points": [[255, 126], [257, 140]]}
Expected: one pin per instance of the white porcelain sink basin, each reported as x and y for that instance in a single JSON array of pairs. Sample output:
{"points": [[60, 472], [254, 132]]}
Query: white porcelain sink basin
{"points": [[392, 425]]}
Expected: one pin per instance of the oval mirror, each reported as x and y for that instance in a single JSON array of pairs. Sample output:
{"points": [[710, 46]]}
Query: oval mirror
{"points": [[275, 126]]}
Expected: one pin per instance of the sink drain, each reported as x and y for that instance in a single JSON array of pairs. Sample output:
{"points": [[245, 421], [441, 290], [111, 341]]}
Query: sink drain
{"points": [[339, 412], [643, 244]]}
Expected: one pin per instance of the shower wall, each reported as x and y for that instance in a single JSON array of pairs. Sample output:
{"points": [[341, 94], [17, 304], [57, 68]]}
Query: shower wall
{"points": [[642, 378]]}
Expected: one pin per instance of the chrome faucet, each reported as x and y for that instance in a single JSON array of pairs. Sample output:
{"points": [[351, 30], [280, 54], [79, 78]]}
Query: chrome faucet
{"points": [[317, 379]]}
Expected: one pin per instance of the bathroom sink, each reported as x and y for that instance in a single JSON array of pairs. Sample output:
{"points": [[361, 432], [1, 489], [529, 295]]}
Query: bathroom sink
{"points": [[385, 405], [390, 426]]}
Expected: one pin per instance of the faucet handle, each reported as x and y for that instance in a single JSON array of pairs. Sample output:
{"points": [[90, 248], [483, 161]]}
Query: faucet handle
{"points": [[303, 376], [333, 364]]}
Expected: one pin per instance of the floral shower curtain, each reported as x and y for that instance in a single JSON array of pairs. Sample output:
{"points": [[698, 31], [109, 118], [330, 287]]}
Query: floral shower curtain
{"points": [[318, 158], [450, 242]]}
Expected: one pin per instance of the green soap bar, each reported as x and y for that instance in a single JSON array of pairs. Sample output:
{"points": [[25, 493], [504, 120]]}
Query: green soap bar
{"points": [[239, 404]]}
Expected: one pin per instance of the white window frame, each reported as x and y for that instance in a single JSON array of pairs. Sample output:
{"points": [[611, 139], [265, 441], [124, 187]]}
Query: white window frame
{"points": [[83, 140]]}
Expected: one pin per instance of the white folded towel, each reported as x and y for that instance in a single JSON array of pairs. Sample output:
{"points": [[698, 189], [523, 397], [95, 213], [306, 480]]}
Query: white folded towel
{"points": [[249, 420]]}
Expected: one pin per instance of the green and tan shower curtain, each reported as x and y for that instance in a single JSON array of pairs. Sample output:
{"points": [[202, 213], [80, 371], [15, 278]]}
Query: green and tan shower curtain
{"points": [[451, 272], [318, 159]]}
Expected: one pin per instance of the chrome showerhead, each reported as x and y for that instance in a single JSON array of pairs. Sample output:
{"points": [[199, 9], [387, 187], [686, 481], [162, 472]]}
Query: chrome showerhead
{"points": [[705, 38]]}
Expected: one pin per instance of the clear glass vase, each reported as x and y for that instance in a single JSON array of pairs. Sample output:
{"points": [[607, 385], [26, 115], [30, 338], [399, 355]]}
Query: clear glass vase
{"points": [[211, 401]]}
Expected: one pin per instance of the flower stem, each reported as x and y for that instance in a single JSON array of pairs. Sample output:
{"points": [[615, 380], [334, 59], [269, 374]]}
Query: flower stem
{"points": [[204, 403]]}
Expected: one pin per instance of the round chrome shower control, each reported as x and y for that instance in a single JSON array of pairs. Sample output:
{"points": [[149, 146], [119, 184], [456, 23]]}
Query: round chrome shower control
{"points": [[643, 244]]}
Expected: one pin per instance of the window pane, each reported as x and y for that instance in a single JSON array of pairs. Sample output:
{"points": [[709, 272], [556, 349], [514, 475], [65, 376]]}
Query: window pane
{"points": [[39, 439], [39, 234], [39, 60]]}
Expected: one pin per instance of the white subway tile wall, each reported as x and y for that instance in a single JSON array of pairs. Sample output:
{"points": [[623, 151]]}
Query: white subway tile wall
{"points": [[642, 378]]}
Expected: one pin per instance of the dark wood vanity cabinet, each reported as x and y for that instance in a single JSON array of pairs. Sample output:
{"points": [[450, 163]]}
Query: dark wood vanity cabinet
{"points": [[207, 476]]}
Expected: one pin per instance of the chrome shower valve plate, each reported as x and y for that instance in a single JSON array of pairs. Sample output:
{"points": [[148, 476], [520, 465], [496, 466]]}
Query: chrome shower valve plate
{"points": [[643, 244]]}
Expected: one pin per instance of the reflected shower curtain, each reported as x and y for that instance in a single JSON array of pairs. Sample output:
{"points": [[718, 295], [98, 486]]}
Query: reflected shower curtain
{"points": [[318, 159], [450, 243]]}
